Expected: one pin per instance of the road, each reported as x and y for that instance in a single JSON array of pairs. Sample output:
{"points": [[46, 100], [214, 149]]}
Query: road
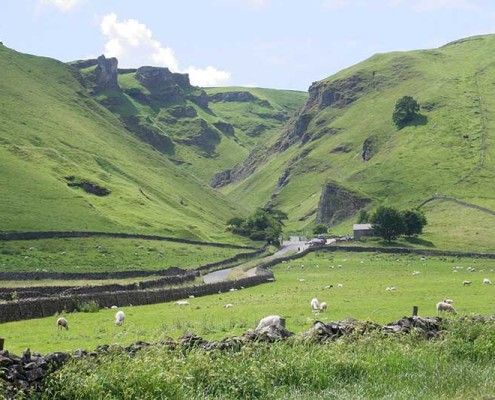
{"points": [[286, 248]]}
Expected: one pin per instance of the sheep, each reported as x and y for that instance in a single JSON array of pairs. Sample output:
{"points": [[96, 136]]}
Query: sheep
{"points": [[315, 305], [447, 307], [466, 283], [271, 320], [390, 288], [323, 306], [487, 281], [302, 280], [328, 286], [340, 285], [182, 303], [448, 301], [119, 318], [62, 323], [230, 305]]}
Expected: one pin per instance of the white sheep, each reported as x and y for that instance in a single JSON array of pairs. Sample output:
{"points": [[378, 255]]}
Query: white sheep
{"points": [[448, 301], [62, 323], [315, 305], [230, 305], [271, 320], [466, 283], [182, 303], [119, 318], [487, 281], [323, 306], [340, 285], [447, 307]]}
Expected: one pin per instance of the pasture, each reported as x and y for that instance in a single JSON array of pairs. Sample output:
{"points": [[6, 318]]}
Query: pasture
{"points": [[106, 254], [364, 278]]}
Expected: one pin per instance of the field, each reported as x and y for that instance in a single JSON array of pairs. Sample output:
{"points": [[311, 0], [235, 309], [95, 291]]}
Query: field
{"points": [[106, 254], [363, 296]]}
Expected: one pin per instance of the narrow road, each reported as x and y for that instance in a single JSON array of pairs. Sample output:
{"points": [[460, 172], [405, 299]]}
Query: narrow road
{"points": [[286, 248]]}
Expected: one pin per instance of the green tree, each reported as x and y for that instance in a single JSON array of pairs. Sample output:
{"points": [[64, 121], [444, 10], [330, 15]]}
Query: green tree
{"points": [[264, 224], [363, 217], [414, 221], [320, 229], [388, 223], [406, 110]]}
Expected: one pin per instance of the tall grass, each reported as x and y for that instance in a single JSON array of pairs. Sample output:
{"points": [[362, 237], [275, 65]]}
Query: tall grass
{"points": [[457, 365]]}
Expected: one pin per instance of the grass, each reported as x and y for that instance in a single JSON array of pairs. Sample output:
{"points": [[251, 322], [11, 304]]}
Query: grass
{"points": [[52, 129], [363, 296], [106, 254], [456, 367], [451, 155]]}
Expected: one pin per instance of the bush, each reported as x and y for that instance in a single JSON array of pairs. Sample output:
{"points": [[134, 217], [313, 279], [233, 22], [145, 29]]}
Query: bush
{"points": [[91, 306]]}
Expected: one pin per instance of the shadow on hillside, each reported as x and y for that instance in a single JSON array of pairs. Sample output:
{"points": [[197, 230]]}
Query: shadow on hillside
{"points": [[419, 242], [417, 120]]}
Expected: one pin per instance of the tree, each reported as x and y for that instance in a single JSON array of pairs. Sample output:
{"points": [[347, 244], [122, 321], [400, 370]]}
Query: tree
{"points": [[405, 111], [264, 224], [414, 221], [320, 229], [388, 223], [363, 217]]}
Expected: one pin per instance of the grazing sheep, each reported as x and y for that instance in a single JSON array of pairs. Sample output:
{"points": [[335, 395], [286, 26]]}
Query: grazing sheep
{"points": [[302, 280], [62, 323], [447, 307], [271, 320], [448, 301], [315, 305], [323, 306], [113, 307], [390, 288], [466, 283], [182, 303], [340, 285], [230, 305], [487, 281], [119, 318], [328, 286]]}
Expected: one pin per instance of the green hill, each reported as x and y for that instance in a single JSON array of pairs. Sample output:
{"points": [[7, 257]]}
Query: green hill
{"points": [[67, 163], [204, 131], [342, 152]]}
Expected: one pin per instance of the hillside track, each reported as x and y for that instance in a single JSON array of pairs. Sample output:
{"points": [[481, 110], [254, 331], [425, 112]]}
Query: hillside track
{"points": [[459, 202]]}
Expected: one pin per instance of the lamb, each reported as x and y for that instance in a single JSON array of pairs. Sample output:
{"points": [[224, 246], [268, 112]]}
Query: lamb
{"points": [[271, 320], [182, 303], [62, 323], [466, 283], [487, 281], [447, 307], [323, 306], [315, 305], [119, 318]]}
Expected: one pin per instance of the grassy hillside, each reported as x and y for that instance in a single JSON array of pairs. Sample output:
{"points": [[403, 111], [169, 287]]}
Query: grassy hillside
{"points": [[204, 131], [58, 147], [447, 151]]}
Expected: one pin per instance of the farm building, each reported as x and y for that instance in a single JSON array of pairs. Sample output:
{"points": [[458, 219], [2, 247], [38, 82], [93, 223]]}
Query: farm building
{"points": [[361, 230]]}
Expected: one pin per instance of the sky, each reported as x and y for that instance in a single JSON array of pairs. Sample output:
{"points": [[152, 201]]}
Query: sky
{"points": [[281, 44]]}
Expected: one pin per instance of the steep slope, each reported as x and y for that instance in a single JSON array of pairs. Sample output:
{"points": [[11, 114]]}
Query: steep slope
{"points": [[204, 131], [343, 143], [66, 163]]}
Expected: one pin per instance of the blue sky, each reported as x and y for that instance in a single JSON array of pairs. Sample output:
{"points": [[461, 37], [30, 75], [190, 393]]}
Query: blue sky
{"points": [[284, 44]]}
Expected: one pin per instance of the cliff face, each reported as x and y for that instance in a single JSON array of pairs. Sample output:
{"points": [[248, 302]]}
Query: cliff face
{"points": [[106, 75], [337, 204], [337, 94]]}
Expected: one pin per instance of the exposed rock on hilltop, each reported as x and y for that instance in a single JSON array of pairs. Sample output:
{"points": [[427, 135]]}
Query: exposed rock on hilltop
{"points": [[106, 74]]}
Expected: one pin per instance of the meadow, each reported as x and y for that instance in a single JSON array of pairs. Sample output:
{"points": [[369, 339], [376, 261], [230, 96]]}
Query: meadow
{"points": [[364, 278], [106, 254]]}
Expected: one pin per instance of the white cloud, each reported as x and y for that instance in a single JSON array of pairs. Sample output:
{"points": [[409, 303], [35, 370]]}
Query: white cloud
{"points": [[62, 5], [209, 76], [133, 44]]}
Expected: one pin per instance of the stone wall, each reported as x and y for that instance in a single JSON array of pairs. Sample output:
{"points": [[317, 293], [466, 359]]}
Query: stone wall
{"points": [[46, 307]]}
